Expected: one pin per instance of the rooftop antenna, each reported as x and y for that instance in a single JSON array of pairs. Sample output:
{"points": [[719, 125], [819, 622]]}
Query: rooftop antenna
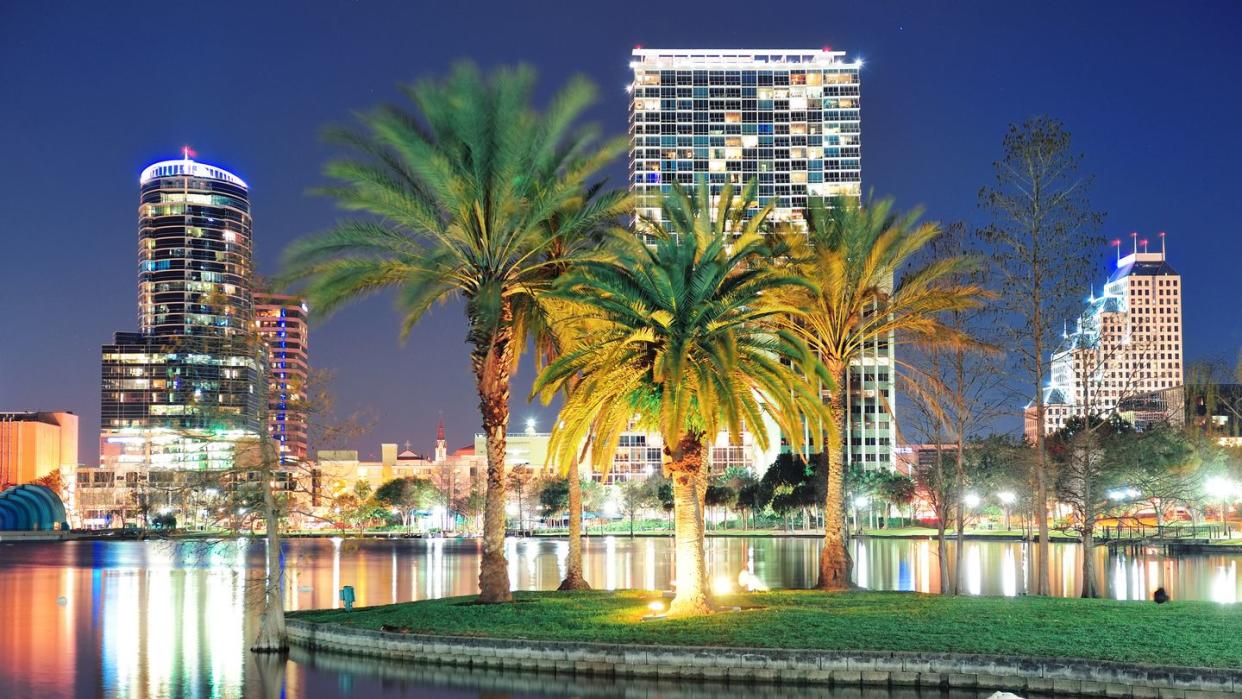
{"points": [[1064, 329], [1143, 242], [1162, 245], [1117, 244], [1134, 237]]}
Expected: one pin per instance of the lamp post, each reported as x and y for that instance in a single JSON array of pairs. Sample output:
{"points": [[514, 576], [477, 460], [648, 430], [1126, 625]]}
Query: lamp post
{"points": [[1222, 488], [859, 502], [1007, 499]]}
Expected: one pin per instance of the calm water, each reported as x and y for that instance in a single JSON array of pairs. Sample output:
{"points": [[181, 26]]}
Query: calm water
{"points": [[155, 619]]}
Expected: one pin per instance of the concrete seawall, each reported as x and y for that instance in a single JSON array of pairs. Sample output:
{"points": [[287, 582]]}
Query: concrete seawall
{"points": [[779, 666]]}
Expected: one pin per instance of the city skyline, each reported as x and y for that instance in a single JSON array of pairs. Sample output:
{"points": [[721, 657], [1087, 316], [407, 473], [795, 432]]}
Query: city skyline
{"points": [[937, 157]]}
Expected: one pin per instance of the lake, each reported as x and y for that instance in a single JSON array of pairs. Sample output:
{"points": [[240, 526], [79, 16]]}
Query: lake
{"points": [[174, 618]]}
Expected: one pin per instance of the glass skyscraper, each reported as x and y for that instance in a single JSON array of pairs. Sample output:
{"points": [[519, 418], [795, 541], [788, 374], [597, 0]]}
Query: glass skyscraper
{"points": [[194, 251], [787, 118], [180, 394]]}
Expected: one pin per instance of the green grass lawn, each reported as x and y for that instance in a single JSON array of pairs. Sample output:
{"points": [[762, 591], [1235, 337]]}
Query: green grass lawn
{"points": [[1179, 633]]}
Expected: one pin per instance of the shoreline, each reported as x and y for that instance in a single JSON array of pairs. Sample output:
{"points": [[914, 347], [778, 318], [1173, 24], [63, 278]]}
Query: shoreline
{"points": [[1174, 546]]}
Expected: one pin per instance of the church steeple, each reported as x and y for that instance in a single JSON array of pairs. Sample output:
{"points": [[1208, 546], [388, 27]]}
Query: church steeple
{"points": [[441, 444]]}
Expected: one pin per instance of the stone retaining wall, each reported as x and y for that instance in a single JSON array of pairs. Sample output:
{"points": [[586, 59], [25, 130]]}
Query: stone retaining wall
{"points": [[779, 666]]}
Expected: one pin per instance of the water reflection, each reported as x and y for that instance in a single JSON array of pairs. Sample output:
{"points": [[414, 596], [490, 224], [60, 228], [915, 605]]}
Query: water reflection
{"points": [[145, 619]]}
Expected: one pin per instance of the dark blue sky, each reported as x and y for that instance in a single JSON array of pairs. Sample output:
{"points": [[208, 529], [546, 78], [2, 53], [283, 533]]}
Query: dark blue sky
{"points": [[91, 93]]}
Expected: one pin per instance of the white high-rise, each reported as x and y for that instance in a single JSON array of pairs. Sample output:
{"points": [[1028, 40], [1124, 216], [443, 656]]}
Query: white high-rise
{"points": [[1124, 351], [787, 118]]}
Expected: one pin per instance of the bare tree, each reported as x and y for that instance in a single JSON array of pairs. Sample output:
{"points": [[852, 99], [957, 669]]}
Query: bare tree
{"points": [[1042, 234]]}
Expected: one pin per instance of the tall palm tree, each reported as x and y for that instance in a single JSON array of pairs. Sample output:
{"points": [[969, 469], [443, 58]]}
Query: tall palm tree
{"points": [[687, 343], [461, 191], [851, 254], [547, 323]]}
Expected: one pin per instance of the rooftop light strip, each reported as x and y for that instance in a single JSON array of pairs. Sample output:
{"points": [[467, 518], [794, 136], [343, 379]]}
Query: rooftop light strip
{"points": [[182, 167]]}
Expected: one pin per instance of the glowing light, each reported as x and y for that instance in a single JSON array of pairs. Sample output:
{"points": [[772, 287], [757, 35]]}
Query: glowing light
{"points": [[722, 585], [175, 168], [861, 501], [971, 500], [1006, 497], [750, 582], [530, 425], [656, 606], [1219, 487]]}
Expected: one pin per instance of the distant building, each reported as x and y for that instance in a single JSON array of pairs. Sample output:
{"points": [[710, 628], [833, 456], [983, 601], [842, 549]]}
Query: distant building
{"points": [[282, 325], [1164, 407], [34, 445], [1125, 345], [909, 458]]}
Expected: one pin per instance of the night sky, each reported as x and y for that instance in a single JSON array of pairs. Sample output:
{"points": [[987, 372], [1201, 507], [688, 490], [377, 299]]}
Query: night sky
{"points": [[92, 93]]}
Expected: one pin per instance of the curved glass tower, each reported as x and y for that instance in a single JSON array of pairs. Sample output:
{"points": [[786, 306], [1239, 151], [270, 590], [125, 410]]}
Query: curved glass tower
{"points": [[179, 396], [194, 251]]}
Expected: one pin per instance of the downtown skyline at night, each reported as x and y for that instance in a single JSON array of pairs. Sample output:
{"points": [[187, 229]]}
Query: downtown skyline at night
{"points": [[939, 86], [373, 349]]}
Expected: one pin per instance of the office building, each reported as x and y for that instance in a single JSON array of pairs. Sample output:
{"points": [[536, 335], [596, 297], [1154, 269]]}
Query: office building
{"points": [[786, 118], [194, 251], [184, 391], [1123, 354], [282, 324]]}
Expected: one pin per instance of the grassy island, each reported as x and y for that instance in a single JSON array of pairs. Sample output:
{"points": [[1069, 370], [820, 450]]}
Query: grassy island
{"points": [[1189, 634]]}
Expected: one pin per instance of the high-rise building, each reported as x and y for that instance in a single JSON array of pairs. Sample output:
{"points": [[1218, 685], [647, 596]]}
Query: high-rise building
{"points": [[194, 251], [787, 118], [1124, 351], [179, 394], [281, 320]]}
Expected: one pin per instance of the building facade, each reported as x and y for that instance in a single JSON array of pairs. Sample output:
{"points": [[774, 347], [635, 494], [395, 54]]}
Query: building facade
{"points": [[787, 119], [35, 445], [182, 393], [283, 327], [1124, 351], [194, 251]]}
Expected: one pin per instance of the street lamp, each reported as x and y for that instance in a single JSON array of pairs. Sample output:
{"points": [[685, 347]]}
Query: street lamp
{"points": [[1222, 488], [859, 503], [971, 501], [1007, 499]]}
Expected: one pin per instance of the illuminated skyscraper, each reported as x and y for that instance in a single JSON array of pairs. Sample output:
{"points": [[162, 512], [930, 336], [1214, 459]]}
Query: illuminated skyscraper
{"points": [[1123, 354], [282, 326], [194, 251], [182, 392], [787, 118]]}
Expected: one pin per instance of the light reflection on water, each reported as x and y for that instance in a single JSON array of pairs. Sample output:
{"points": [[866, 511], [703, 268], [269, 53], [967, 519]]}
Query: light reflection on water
{"points": [[147, 619]]}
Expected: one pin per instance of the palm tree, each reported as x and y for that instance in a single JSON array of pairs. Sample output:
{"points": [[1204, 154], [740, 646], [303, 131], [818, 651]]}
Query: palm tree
{"points": [[687, 344], [850, 253], [460, 192], [547, 324]]}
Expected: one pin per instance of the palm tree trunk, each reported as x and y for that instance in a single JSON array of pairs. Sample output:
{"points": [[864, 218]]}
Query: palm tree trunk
{"points": [[573, 567], [689, 475], [493, 363], [834, 560]]}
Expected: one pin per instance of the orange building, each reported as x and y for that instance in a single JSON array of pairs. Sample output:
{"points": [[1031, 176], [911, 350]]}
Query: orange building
{"points": [[33, 445]]}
